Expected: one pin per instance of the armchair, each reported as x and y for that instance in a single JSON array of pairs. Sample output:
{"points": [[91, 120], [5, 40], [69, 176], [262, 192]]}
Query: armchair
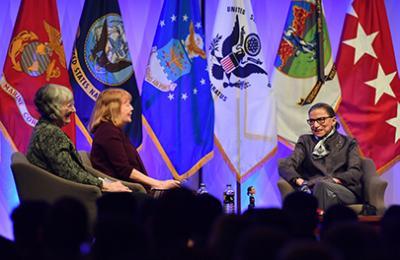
{"points": [[373, 188], [35, 183]]}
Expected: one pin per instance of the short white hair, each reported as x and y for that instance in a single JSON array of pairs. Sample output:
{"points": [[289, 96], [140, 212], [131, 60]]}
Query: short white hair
{"points": [[50, 98]]}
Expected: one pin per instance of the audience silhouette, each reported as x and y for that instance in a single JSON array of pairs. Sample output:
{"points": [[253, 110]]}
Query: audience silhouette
{"points": [[183, 225], [29, 224], [301, 209], [337, 214], [390, 231]]}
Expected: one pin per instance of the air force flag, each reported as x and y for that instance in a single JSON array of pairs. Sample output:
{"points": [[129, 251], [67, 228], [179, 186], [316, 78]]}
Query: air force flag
{"points": [[177, 104]]}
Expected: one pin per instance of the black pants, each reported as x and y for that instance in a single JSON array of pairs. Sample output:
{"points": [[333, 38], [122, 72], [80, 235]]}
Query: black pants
{"points": [[330, 193]]}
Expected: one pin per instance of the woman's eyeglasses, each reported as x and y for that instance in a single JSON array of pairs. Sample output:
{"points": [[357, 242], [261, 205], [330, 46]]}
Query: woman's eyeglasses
{"points": [[319, 120]]}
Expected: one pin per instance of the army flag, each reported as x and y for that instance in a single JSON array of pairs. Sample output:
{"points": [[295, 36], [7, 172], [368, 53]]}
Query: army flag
{"points": [[368, 75], [177, 105], [35, 57], [304, 71], [100, 60], [245, 129]]}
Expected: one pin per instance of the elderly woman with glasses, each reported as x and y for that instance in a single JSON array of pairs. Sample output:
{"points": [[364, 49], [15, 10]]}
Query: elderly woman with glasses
{"points": [[49, 146], [325, 163]]}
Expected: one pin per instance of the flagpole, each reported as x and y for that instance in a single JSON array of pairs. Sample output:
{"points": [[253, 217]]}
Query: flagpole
{"points": [[202, 8], [320, 43], [239, 197]]}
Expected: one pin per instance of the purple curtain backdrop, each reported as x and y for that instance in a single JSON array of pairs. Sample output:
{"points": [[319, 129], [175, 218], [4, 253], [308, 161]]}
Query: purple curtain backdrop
{"points": [[140, 19]]}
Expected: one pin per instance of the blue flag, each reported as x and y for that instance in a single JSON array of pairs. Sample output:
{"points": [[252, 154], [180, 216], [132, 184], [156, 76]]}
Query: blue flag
{"points": [[177, 107], [101, 60]]}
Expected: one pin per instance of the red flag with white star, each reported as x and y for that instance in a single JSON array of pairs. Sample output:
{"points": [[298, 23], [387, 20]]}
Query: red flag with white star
{"points": [[35, 57], [369, 80]]}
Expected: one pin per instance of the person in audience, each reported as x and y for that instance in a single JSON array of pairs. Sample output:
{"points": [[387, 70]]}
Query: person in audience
{"points": [[301, 211], [325, 163], [307, 250], [29, 222], [7, 248], [355, 240], [260, 242], [112, 151], [390, 230], [49, 146], [335, 215], [207, 209], [66, 230], [225, 236]]}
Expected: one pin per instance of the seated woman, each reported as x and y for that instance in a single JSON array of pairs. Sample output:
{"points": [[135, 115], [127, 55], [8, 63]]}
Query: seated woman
{"points": [[112, 151], [325, 162], [51, 149]]}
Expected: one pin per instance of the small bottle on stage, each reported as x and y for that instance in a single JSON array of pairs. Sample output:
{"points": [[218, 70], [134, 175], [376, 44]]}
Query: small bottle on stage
{"points": [[202, 189], [229, 200]]}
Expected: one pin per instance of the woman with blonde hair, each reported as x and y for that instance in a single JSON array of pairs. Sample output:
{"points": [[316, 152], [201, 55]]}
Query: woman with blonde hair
{"points": [[112, 152]]}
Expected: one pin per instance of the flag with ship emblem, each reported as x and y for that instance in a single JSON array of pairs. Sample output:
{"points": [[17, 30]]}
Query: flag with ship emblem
{"points": [[101, 60], [177, 105], [35, 57], [245, 128], [304, 71], [369, 79]]}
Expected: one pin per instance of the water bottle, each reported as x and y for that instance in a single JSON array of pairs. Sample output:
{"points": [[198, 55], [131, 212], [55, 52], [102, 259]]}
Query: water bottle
{"points": [[202, 189], [229, 200]]}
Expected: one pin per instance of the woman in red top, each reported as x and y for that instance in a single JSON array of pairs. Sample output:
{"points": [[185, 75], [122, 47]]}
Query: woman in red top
{"points": [[112, 152]]}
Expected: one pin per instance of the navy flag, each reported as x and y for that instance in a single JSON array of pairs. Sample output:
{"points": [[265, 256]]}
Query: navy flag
{"points": [[177, 103], [101, 60]]}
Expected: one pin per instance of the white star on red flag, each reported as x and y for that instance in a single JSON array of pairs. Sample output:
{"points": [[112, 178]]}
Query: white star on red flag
{"points": [[395, 122], [369, 81], [362, 43], [382, 84]]}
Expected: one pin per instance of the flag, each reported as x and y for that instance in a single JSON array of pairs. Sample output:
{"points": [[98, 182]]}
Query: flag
{"points": [[245, 128], [304, 73], [177, 104], [35, 57], [100, 60], [370, 108]]}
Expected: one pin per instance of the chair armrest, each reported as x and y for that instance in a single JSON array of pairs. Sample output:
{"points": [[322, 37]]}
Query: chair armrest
{"points": [[375, 192], [284, 187], [85, 156], [135, 187]]}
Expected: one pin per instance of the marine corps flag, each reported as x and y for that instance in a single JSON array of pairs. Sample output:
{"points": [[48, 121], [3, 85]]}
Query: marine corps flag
{"points": [[177, 105], [101, 60], [370, 106], [35, 57], [304, 72], [245, 128]]}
